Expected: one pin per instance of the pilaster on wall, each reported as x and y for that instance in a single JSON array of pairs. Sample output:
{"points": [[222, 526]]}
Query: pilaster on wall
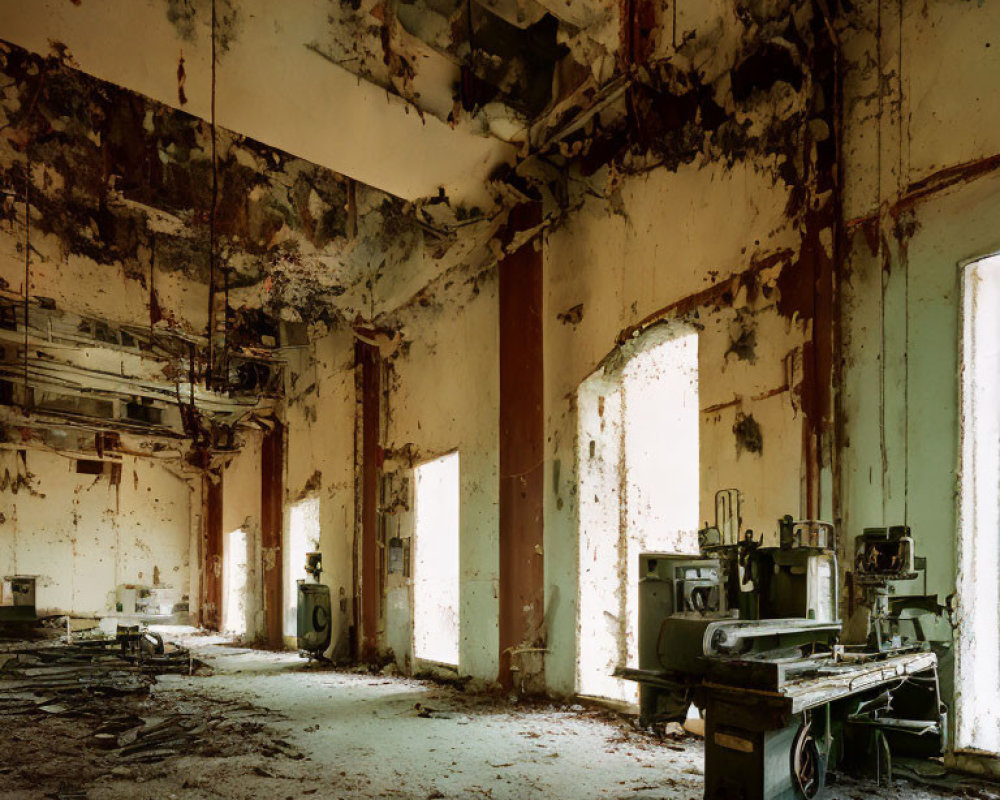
{"points": [[367, 584], [211, 556], [271, 501], [522, 440]]}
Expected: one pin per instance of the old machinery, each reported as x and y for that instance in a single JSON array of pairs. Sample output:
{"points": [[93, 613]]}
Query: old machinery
{"points": [[736, 599], [689, 592], [750, 634], [17, 599], [881, 557], [909, 719], [314, 565], [136, 640], [315, 624]]}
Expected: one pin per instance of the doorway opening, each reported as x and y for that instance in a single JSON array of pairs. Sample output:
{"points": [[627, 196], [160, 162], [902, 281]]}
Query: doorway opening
{"points": [[303, 537], [234, 582], [638, 457], [977, 654], [436, 560]]}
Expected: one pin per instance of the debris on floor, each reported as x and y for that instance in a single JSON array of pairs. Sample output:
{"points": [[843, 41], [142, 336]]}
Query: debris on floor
{"points": [[85, 720], [88, 679], [53, 675], [264, 725]]}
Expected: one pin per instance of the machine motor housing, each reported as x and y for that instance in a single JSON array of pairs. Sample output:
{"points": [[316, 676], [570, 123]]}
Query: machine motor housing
{"points": [[17, 599], [314, 620]]}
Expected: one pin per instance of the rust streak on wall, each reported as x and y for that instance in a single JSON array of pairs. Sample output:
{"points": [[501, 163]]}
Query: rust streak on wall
{"points": [[926, 188], [367, 357], [272, 489], [211, 601], [721, 291], [945, 179], [522, 436]]}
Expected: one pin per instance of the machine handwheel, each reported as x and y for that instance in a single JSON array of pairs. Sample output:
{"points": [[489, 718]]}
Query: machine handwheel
{"points": [[808, 766]]}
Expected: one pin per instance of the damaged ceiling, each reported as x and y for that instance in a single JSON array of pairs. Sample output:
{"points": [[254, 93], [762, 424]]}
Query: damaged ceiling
{"points": [[120, 179], [541, 87], [203, 162]]}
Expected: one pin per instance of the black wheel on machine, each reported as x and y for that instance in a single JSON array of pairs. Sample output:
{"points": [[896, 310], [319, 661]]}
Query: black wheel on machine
{"points": [[320, 618], [808, 764]]}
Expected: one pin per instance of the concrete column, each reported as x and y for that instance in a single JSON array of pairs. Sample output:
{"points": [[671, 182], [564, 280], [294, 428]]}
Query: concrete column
{"points": [[272, 470], [369, 361], [211, 550], [522, 435]]}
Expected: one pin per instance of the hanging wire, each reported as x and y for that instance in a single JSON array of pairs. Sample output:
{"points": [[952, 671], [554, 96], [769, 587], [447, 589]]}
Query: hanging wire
{"points": [[211, 221], [27, 267]]}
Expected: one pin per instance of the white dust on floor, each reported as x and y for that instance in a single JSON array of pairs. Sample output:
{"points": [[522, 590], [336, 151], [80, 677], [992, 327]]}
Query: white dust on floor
{"points": [[369, 736], [365, 735]]}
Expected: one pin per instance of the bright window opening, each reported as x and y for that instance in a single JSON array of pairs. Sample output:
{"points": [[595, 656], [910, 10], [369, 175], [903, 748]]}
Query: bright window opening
{"points": [[303, 537], [639, 492], [435, 560], [234, 582], [977, 656]]}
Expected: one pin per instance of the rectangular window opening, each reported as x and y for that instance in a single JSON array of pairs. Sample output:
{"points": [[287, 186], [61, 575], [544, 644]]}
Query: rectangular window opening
{"points": [[639, 476], [977, 652], [303, 537], [436, 560], [234, 581]]}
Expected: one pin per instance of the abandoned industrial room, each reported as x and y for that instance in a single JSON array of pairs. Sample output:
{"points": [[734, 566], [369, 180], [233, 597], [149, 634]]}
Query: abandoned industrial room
{"points": [[499, 399]]}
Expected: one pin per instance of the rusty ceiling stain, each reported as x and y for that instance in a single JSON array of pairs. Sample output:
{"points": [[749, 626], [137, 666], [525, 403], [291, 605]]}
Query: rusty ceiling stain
{"points": [[117, 176]]}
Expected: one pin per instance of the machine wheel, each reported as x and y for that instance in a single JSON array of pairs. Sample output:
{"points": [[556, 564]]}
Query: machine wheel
{"points": [[808, 764]]}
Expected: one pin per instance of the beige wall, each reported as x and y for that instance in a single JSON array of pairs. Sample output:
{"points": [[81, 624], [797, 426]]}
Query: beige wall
{"points": [[918, 101], [443, 395], [84, 537], [627, 247], [678, 233], [319, 414], [902, 292]]}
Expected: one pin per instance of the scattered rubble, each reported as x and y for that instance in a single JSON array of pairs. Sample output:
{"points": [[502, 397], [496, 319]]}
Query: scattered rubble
{"points": [[58, 678], [90, 714]]}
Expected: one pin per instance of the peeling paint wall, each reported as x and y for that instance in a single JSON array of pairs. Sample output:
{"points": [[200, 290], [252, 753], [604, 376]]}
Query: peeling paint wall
{"points": [[91, 233], [618, 268], [274, 73], [241, 510], [922, 195], [902, 291], [705, 201], [443, 387], [704, 184], [126, 207], [715, 237], [319, 416], [84, 537]]}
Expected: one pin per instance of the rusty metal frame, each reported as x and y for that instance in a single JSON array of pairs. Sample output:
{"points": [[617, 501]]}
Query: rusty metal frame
{"points": [[522, 442], [367, 455], [272, 468], [210, 609]]}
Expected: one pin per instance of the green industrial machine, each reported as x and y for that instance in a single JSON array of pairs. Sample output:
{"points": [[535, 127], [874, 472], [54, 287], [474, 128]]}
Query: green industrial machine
{"points": [[314, 620], [751, 635], [17, 599]]}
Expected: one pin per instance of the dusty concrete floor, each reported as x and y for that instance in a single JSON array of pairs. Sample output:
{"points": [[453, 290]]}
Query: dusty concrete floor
{"points": [[280, 730]]}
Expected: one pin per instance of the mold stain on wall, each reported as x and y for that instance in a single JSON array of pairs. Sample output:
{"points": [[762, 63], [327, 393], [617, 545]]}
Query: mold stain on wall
{"points": [[119, 180]]}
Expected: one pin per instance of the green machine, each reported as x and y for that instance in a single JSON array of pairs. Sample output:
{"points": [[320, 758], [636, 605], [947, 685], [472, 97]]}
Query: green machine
{"points": [[314, 620], [17, 599], [751, 635]]}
